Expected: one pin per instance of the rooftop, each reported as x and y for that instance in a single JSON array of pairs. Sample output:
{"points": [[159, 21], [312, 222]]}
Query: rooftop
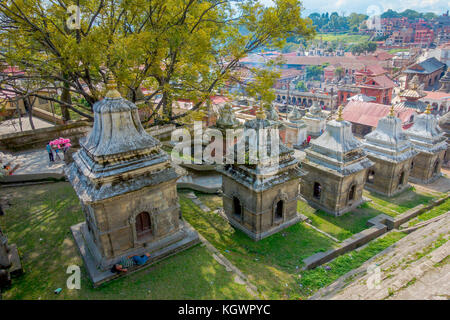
{"points": [[426, 67], [368, 113]]}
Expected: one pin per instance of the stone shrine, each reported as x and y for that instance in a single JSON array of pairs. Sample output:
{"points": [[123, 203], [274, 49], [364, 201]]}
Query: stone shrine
{"points": [[315, 120], [261, 199], [410, 97], [127, 188], [295, 129], [429, 140], [337, 167], [391, 151]]}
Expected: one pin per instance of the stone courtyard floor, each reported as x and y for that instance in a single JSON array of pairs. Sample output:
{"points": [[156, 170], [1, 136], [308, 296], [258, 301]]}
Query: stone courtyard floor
{"points": [[32, 162]]}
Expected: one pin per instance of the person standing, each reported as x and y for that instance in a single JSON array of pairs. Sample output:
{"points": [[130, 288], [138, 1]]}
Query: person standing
{"points": [[50, 152]]}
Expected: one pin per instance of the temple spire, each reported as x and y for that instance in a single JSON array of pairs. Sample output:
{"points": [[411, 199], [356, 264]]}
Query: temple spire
{"points": [[111, 88], [260, 114], [339, 113], [391, 112]]}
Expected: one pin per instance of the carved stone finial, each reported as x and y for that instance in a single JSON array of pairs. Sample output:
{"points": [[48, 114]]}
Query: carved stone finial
{"points": [[339, 113], [428, 109], [111, 88], [391, 112], [260, 114]]}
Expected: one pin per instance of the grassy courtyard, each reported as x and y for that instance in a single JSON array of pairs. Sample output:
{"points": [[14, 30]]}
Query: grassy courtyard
{"points": [[38, 221], [400, 203], [341, 227], [39, 218], [274, 264]]}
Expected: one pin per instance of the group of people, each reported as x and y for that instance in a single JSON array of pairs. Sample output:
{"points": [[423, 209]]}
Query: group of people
{"points": [[57, 146]]}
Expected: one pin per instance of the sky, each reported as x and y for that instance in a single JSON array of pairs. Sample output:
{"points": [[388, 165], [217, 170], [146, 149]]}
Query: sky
{"points": [[371, 7]]}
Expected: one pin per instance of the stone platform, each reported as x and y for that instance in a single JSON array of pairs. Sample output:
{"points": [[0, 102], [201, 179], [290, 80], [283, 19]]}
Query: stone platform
{"points": [[189, 237], [16, 265]]}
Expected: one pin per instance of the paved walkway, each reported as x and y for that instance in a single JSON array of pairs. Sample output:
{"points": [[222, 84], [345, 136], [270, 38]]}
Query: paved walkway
{"points": [[32, 162]]}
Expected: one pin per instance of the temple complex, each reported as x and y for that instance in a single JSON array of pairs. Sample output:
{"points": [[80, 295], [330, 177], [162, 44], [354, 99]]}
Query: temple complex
{"points": [[127, 188], [336, 167], [411, 95], [295, 129], [389, 148], [315, 120], [429, 140], [260, 198]]}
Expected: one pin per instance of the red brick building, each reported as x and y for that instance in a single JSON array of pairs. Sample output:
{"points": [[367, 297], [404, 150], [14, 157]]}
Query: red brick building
{"points": [[379, 87]]}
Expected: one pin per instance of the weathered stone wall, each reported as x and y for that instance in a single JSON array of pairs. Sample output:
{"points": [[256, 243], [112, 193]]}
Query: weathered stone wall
{"points": [[258, 208], [387, 176], [334, 197], [424, 167], [47, 115], [111, 222], [40, 137]]}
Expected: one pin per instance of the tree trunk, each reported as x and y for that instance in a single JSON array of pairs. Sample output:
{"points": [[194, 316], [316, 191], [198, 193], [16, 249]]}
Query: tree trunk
{"points": [[29, 108], [67, 98], [20, 116]]}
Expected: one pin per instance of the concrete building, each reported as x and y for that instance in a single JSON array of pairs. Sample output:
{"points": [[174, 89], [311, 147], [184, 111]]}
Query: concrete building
{"points": [[429, 140], [127, 188], [336, 167], [388, 147], [260, 195]]}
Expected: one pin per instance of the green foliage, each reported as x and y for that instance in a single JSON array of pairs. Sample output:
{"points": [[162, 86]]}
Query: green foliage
{"points": [[300, 86], [174, 48], [365, 47], [315, 72]]}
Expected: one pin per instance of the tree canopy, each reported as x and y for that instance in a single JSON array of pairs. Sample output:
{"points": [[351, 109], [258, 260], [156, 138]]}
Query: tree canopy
{"points": [[172, 48]]}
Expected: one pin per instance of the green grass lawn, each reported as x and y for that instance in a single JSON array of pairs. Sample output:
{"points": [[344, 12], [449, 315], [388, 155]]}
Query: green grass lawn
{"points": [[394, 51], [274, 264], [400, 203], [434, 212], [344, 38], [341, 227], [38, 222]]}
